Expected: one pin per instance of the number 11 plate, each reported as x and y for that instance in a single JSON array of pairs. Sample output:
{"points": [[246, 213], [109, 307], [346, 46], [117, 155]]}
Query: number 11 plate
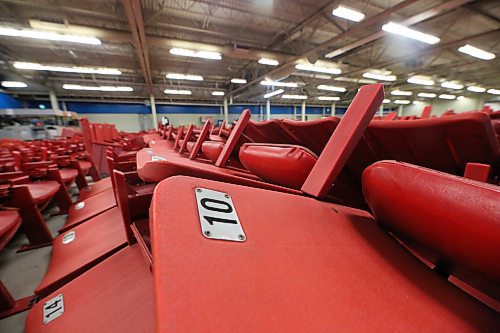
{"points": [[218, 217]]}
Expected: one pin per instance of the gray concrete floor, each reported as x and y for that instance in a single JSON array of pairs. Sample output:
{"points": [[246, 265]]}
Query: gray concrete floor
{"points": [[22, 272]]}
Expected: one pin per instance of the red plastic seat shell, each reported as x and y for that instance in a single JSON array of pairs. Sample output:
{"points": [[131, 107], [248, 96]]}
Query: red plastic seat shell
{"points": [[94, 240], [285, 165], [306, 266], [94, 188], [43, 191], [116, 296], [212, 149], [68, 175], [85, 166], [9, 223], [457, 218]]}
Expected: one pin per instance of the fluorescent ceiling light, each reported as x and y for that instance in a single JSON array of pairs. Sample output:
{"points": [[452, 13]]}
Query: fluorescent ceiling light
{"points": [[279, 84], [177, 76], [218, 93], [401, 93], [420, 80], [294, 97], [314, 75], [328, 98], [451, 85], [269, 62], [274, 93], [239, 81], [196, 54], [66, 69], [177, 92], [348, 14], [402, 101], [446, 96], [349, 79], [386, 101], [476, 52], [494, 91], [14, 84], [460, 98], [318, 69], [97, 88], [47, 35], [417, 102], [427, 95], [379, 77], [331, 88], [476, 89], [401, 30]]}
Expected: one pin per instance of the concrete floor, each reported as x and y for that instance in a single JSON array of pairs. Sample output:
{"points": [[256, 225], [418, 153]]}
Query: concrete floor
{"points": [[22, 272]]}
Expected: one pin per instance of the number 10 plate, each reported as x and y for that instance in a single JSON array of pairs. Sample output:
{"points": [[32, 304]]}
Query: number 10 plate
{"points": [[218, 217]]}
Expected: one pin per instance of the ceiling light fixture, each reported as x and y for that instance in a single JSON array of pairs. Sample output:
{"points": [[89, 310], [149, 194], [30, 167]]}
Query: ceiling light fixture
{"points": [[274, 93], [401, 30], [268, 62], [446, 96], [328, 98], [348, 14], [401, 93], [386, 101], [239, 81], [318, 69], [177, 76], [427, 95], [417, 102], [402, 101], [196, 54], [177, 92], [66, 69], [476, 89], [48, 35], [14, 84], [460, 98], [218, 93], [97, 88], [279, 84], [294, 97], [379, 77], [331, 88], [451, 85], [494, 91], [422, 80], [476, 52]]}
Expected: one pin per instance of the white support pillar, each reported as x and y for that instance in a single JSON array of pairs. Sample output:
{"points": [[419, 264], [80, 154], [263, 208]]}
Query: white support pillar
{"points": [[268, 109], [153, 111], [261, 112], [295, 112], [381, 110], [334, 105], [53, 100], [226, 111], [231, 100], [65, 107], [303, 111], [400, 111]]}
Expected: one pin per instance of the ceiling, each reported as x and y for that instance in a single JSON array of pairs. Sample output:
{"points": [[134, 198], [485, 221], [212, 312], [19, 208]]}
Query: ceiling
{"points": [[137, 37]]}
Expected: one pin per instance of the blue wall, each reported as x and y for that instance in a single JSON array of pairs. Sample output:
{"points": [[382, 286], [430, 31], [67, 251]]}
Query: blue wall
{"points": [[8, 102]]}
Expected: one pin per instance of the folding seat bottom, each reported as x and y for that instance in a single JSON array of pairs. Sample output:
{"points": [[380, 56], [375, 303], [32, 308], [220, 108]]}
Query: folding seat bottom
{"points": [[94, 188], [114, 296], [43, 191], [83, 247], [68, 175], [9, 223]]}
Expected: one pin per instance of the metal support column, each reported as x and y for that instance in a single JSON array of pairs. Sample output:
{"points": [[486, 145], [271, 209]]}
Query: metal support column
{"points": [[268, 109], [153, 110], [53, 100], [333, 109], [226, 111], [303, 111], [400, 111], [381, 110]]}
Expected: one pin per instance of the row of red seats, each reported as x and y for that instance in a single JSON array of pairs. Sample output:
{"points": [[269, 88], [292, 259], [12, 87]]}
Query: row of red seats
{"points": [[223, 250]]}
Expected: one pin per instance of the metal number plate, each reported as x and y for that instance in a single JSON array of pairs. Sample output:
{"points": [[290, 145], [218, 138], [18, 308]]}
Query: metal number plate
{"points": [[69, 237], [218, 217], [80, 205], [53, 308], [157, 158]]}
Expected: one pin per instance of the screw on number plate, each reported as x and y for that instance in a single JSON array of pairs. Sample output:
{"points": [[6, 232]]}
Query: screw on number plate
{"points": [[207, 233], [241, 237], [198, 190], [226, 195]]}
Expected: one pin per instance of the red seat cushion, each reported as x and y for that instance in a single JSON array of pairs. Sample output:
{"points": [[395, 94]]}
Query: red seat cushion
{"points": [[212, 149], [9, 223], [68, 175], [85, 166], [456, 218], [285, 165], [190, 146], [41, 192]]}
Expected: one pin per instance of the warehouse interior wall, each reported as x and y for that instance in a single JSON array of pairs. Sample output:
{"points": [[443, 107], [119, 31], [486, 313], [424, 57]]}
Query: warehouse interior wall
{"points": [[439, 106]]}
